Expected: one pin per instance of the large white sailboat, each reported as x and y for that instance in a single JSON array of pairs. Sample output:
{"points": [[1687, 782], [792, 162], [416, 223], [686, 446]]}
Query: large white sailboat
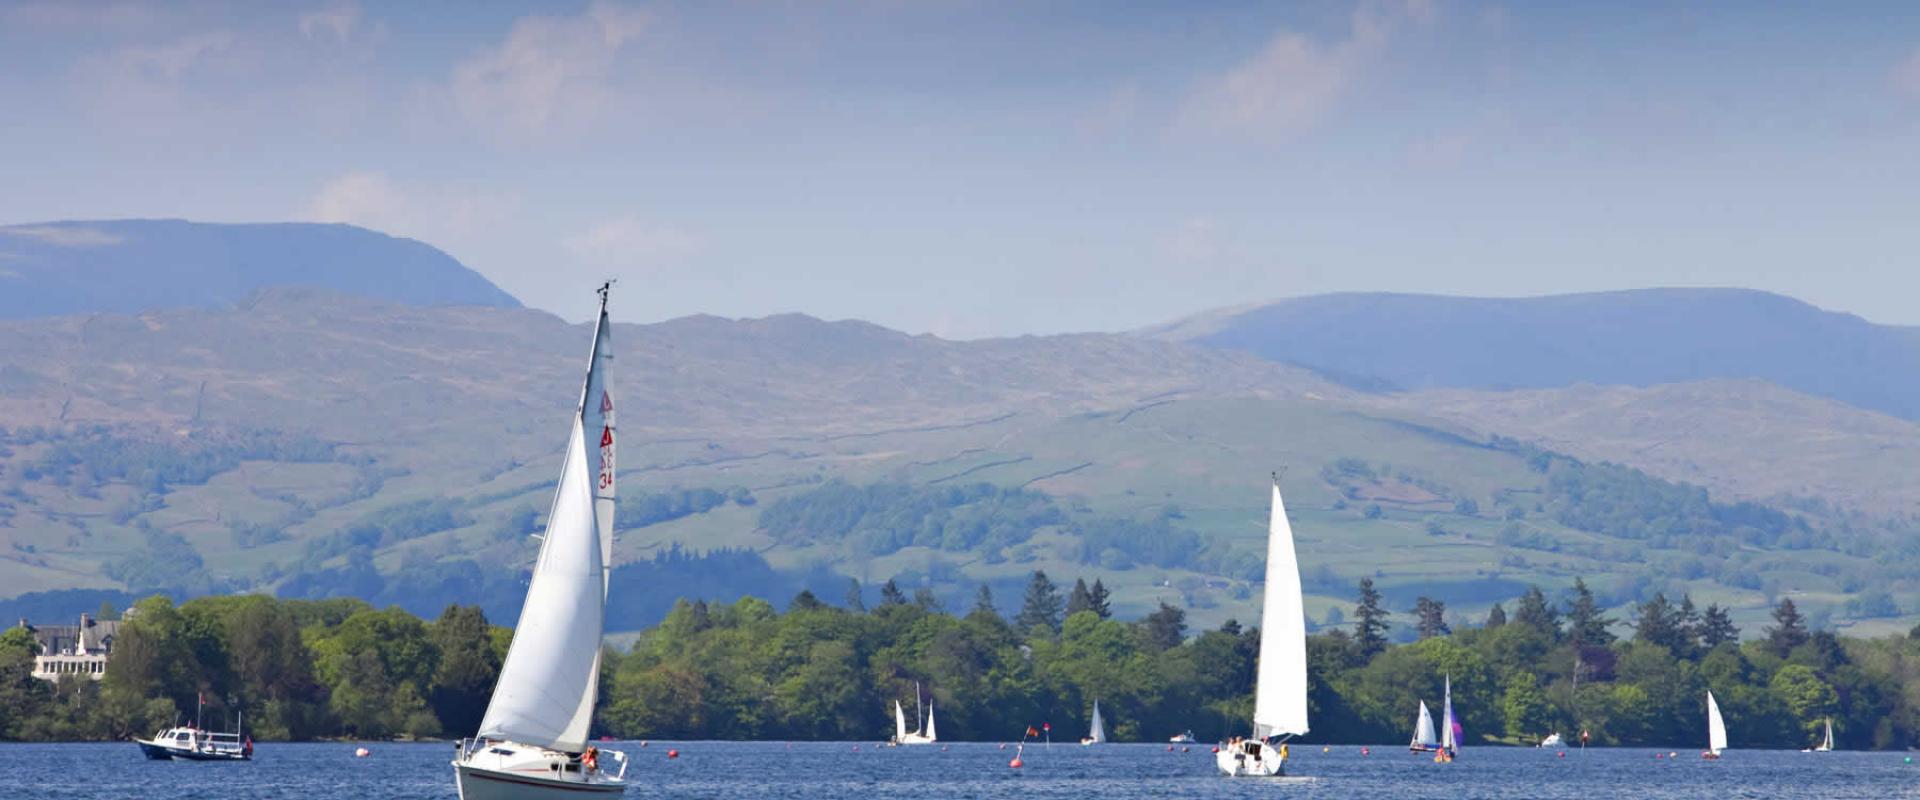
{"points": [[1424, 739], [1280, 690], [1716, 729], [902, 736], [1097, 732], [532, 741], [1826, 741]]}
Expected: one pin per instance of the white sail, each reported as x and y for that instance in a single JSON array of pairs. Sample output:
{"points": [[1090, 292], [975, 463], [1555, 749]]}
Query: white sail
{"points": [[1716, 727], [899, 722], [931, 736], [1449, 725], [546, 689], [1423, 735], [1280, 694], [1098, 734], [1826, 742]]}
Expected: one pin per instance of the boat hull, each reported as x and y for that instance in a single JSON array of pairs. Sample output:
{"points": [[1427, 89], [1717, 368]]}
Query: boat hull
{"points": [[156, 751], [1253, 759], [480, 783]]}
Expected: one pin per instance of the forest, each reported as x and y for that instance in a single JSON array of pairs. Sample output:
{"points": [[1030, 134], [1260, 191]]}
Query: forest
{"points": [[305, 669]]}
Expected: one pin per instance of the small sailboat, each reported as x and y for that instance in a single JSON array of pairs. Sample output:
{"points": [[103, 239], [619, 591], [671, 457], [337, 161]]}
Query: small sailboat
{"points": [[1716, 729], [1553, 740], [532, 741], [1424, 739], [902, 736], [1826, 741], [1097, 732], [1280, 688], [1184, 737], [1450, 732]]}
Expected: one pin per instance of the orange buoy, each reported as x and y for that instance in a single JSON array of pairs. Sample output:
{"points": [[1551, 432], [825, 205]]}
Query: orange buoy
{"points": [[1366, 751], [1016, 763], [1216, 748], [673, 754]]}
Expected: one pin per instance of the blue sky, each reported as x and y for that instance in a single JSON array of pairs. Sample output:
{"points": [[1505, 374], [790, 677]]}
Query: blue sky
{"points": [[974, 169]]}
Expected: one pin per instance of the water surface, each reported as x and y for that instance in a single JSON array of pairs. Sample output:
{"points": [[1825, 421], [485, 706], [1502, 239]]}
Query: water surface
{"points": [[819, 771]]}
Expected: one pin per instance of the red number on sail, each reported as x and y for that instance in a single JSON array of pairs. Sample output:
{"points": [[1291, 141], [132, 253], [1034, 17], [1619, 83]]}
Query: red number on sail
{"points": [[606, 403]]}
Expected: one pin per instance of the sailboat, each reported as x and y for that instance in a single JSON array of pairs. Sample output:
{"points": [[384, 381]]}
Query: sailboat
{"points": [[1280, 690], [1716, 729], [900, 733], [1826, 742], [1097, 734], [1424, 739], [532, 741], [1450, 732]]}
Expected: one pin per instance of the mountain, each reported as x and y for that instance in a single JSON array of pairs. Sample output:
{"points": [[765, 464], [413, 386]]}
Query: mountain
{"points": [[313, 443], [128, 266], [1630, 338]]}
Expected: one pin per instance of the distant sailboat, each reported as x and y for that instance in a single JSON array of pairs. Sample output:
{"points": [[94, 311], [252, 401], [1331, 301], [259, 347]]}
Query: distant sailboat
{"points": [[1424, 739], [1280, 690], [1826, 740], [902, 736], [1450, 732], [532, 741], [1098, 731], [1716, 729]]}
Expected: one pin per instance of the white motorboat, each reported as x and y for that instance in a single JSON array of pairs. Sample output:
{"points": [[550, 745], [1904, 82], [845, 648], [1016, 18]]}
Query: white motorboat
{"points": [[532, 741], [194, 744], [1280, 689], [1183, 738], [1553, 740]]}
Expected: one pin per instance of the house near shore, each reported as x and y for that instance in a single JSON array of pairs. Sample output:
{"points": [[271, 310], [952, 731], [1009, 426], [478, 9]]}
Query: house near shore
{"points": [[81, 649]]}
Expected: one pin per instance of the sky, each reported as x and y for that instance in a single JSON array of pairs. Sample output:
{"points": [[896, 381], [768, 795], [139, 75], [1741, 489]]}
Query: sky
{"points": [[992, 169]]}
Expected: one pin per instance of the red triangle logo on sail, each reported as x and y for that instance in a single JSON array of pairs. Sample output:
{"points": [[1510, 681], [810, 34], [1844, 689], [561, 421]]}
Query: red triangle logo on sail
{"points": [[606, 436], [606, 402]]}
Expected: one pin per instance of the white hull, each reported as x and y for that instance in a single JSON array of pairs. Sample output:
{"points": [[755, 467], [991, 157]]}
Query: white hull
{"points": [[1553, 741], [510, 771], [1251, 759], [911, 739]]}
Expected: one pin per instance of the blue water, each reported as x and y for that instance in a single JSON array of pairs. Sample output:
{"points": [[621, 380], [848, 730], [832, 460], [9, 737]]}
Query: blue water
{"points": [[1113, 772]]}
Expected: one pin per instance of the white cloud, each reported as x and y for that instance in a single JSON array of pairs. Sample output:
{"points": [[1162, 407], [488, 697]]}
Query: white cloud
{"points": [[1906, 76], [1294, 81], [550, 73], [444, 216], [64, 235], [631, 242], [336, 21], [161, 65]]}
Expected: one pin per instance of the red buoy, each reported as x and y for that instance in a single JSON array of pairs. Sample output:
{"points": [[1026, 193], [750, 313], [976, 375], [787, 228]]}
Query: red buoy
{"points": [[1563, 754], [1366, 751], [1186, 749], [1169, 748], [643, 744], [1003, 745], [673, 754], [1216, 748]]}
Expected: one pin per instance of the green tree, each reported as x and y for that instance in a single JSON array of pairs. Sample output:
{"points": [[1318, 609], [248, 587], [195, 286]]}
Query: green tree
{"points": [[463, 678], [855, 601], [1535, 612], [1716, 628], [1080, 599], [1789, 628], [983, 602], [1586, 623], [1808, 698], [1369, 621], [1657, 622], [1496, 616], [1432, 618], [1042, 605], [1164, 629], [1101, 602], [1524, 707], [890, 594]]}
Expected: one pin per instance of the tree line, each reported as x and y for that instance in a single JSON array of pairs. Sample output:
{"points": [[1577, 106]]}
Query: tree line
{"points": [[819, 670]]}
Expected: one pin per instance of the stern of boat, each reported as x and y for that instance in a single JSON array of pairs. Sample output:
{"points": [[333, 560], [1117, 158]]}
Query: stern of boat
{"points": [[1255, 759], [508, 771]]}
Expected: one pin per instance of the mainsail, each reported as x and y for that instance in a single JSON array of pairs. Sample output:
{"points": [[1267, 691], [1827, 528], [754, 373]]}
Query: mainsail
{"points": [[1450, 734], [1099, 732], [1280, 694], [1423, 735], [1716, 727], [899, 722], [931, 736], [1826, 742], [545, 693]]}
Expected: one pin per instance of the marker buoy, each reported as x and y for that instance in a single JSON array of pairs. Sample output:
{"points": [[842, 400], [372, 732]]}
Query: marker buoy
{"points": [[1003, 745], [1659, 755], [1366, 751], [1186, 749], [673, 754], [643, 744], [1216, 748], [361, 752], [1671, 754], [1563, 754], [1016, 763], [1326, 749], [1909, 759]]}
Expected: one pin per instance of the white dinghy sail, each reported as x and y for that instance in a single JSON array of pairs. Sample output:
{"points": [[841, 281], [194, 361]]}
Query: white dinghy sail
{"points": [[1424, 739], [533, 737], [1280, 688], [1097, 730], [1716, 728]]}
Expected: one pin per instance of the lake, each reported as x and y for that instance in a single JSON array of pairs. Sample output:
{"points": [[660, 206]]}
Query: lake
{"points": [[816, 771]]}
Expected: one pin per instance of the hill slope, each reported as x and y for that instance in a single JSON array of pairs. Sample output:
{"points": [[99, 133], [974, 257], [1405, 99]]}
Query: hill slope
{"points": [[128, 266], [314, 443], [1631, 338]]}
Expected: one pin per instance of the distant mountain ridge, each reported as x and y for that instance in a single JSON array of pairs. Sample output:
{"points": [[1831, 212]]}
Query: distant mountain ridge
{"points": [[128, 266], [1633, 338]]}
